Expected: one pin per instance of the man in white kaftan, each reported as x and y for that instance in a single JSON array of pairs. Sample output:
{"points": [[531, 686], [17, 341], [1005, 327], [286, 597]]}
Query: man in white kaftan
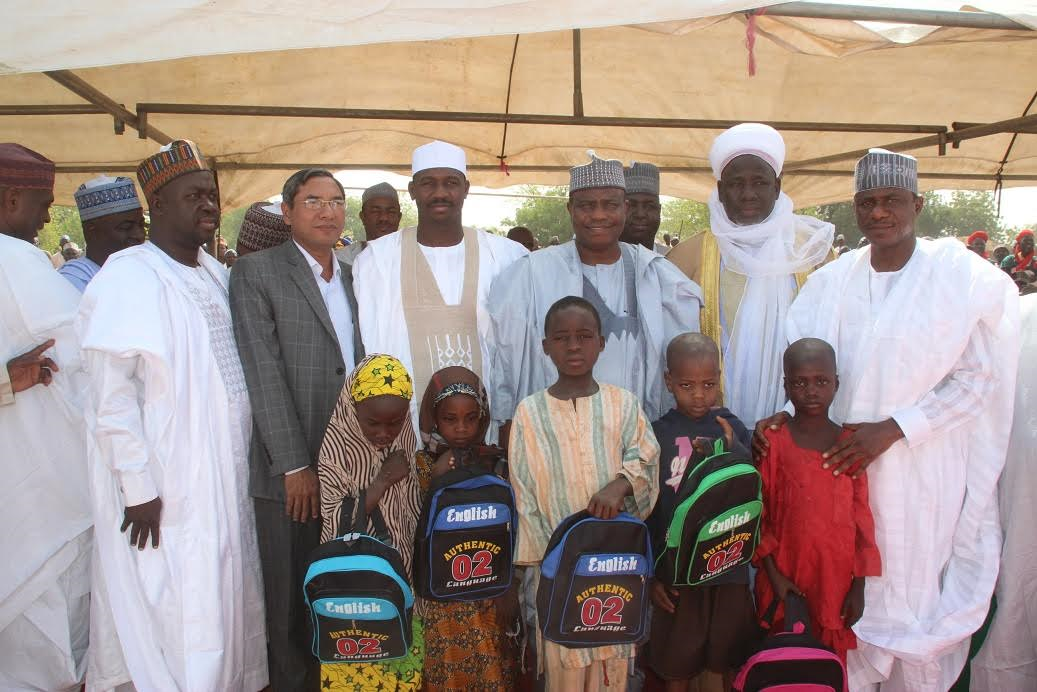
{"points": [[422, 292], [927, 338], [644, 301], [1008, 659], [168, 430], [751, 262], [45, 542]]}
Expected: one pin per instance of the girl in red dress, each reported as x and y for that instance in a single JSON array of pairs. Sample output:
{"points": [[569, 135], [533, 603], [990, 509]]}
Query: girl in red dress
{"points": [[818, 536]]}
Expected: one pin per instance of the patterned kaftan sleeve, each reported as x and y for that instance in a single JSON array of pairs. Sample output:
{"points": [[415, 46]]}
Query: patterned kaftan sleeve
{"points": [[866, 559], [640, 459], [533, 529]]}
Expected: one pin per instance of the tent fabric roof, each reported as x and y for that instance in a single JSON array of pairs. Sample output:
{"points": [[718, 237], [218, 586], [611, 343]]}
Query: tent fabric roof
{"points": [[675, 63]]}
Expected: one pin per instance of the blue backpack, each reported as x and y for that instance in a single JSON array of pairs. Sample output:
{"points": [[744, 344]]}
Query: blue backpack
{"points": [[593, 588], [466, 535], [357, 592]]}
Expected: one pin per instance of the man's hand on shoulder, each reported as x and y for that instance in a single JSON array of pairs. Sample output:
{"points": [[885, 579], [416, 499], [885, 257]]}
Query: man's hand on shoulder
{"points": [[867, 441], [760, 443], [31, 368], [302, 495], [143, 521]]}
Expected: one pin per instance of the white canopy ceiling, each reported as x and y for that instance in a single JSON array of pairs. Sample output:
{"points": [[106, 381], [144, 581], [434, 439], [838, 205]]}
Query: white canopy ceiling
{"points": [[404, 73]]}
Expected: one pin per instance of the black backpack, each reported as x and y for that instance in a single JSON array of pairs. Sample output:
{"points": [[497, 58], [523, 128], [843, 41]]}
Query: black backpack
{"points": [[357, 592], [466, 535], [792, 660], [593, 588], [716, 523]]}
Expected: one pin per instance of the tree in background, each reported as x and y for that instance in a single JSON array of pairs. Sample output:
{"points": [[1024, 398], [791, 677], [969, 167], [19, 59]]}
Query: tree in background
{"points": [[682, 218], [63, 221], [544, 214]]}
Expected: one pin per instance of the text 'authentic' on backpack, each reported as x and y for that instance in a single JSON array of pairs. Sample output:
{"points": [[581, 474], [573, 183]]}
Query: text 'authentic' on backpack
{"points": [[593, 588]]}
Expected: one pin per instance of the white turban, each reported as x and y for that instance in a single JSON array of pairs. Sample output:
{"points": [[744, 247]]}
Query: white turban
{"points": [[755, 139]]}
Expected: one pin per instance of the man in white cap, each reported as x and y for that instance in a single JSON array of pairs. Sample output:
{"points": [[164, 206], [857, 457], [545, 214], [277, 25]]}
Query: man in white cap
{"points": [[644, 212], [379, 213], [422, 292], [927, 337], [113, 220], [750, 264], [643, 300]]}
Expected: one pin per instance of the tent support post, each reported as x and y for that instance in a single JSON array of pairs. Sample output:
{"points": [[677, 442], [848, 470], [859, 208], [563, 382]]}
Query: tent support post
{"points": [[577, 75], [954, 137], [81, 88]]}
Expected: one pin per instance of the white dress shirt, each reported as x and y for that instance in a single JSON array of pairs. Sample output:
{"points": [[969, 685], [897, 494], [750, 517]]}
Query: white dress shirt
{"points": [[334, 294]]}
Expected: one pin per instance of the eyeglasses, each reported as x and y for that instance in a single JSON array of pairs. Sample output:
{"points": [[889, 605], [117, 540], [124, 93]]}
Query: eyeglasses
{"points": [[314, 204]]}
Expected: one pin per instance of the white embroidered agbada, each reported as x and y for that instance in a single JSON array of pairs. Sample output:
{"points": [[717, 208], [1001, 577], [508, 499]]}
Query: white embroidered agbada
{"points": [[44, 508], [769, 254], [377, 284], [666, 304], [169, 416], [935, 347], [1008, 659]]}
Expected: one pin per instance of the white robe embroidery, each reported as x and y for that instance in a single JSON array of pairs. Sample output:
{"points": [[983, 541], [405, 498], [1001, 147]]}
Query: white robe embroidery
{"points": [[376, 282], [44, 509], [169, 417], [939, 357]]}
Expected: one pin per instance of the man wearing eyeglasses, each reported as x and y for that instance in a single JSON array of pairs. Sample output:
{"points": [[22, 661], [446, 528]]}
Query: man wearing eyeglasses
{"points": [[295, 322]]}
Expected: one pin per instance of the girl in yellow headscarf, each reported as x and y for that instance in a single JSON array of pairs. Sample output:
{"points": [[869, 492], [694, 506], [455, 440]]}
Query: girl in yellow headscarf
{"points": [[369, 446]]}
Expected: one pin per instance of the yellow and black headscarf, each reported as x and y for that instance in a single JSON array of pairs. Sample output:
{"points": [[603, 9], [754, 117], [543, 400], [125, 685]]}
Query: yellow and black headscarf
{"points": [[379, 374]]}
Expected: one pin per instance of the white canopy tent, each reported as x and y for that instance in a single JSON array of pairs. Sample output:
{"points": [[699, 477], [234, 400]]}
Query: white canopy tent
{"points": [[265, 89]]}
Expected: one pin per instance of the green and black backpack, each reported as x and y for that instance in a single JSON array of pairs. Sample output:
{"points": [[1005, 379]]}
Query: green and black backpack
{"points": [[716, 523]]}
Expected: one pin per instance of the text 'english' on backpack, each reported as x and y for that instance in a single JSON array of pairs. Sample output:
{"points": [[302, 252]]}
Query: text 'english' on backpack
{"points": [[716, 524], [593, 588], [357, 592], [466, 536]]}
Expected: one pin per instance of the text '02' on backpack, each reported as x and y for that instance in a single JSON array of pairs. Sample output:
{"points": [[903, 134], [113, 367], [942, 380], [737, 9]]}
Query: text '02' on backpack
{"points": [[357, 591], [792, 660], [466, 537], [593, 588], [716, 523]]}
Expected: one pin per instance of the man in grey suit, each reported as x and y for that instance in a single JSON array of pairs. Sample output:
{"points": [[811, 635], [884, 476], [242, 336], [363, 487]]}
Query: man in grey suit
{"points": [[294, 319]]}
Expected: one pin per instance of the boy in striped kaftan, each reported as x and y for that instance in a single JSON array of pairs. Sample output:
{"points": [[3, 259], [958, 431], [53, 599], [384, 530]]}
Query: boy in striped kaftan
{"points": [[579, 445]]}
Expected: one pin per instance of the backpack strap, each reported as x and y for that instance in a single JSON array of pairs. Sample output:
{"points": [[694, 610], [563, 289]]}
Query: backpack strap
{"points": [[796, 611], [353, 518], [718, 449]]}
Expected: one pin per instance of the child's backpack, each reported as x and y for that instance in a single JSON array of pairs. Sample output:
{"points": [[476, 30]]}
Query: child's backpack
{"points": [[792, 660], [357, 592], [465, 540], [593, 588], [716, 523]]}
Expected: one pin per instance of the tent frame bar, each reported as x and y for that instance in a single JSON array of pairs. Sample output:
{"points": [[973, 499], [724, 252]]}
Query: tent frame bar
{"points": [[893, 15], [80, 87], [405, 168], [514, 118], [955, 138]]}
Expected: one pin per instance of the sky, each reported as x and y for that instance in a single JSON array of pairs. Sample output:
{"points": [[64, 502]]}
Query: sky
{"points": [[485, 207]]}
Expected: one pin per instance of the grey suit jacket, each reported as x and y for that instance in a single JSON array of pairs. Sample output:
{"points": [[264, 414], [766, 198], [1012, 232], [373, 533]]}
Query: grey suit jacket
{"points": [[292, 360]]}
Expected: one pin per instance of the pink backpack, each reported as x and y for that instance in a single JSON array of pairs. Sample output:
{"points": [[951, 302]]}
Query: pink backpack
{"points": [[792, 661]]}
